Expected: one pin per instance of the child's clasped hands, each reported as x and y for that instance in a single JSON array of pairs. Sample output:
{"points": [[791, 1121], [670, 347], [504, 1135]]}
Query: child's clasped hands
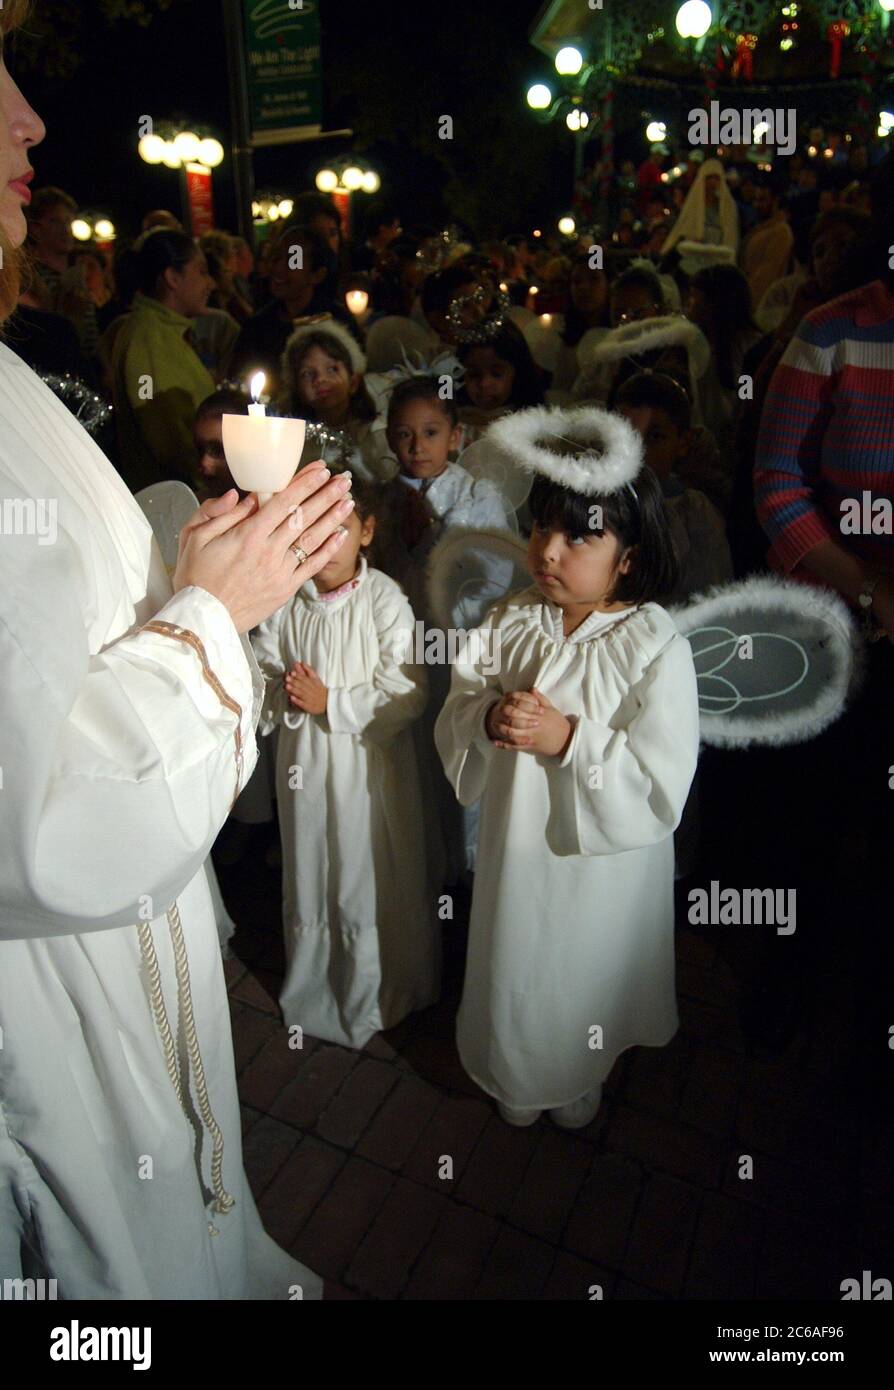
{"points": [[526, 721], [305, 689]]}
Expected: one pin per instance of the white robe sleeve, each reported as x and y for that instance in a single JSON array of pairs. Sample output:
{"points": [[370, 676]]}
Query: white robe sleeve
{"points": [[266, 641], [618, 789], [463, 745], [118, 769], [398, 691]]}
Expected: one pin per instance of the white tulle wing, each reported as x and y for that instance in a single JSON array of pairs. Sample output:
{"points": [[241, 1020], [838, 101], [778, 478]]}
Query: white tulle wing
{"points": [[776, 661], [167, 507], [470, 570]]}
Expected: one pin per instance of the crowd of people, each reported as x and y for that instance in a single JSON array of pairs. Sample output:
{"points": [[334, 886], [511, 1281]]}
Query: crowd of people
{"points": [[725, 319]]}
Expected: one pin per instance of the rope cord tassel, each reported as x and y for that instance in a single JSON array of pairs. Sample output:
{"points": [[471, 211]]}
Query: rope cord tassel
{"points": [[157, 1004], [223, 1200]]}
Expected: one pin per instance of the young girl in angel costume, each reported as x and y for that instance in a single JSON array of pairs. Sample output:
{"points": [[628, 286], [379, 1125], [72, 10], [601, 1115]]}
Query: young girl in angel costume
{"points": [[361, 933], [582, 749]]}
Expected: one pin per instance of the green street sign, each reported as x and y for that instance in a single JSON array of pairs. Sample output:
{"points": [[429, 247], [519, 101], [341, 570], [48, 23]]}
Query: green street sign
{"points": [[283, 69]]}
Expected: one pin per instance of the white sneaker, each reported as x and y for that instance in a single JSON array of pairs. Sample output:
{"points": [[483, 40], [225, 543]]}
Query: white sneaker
{"points": [[519, 1118], [580, 1112]]}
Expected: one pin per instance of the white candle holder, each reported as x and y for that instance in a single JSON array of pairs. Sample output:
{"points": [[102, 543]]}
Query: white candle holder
{"points": [[263, 452]]}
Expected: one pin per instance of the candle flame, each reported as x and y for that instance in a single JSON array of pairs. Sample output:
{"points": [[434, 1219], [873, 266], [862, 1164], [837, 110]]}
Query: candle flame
{"points": [[258, 382]]}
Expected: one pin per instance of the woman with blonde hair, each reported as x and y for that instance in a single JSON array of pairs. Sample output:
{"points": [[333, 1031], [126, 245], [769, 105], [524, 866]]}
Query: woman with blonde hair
{"points": [[129, 708]]}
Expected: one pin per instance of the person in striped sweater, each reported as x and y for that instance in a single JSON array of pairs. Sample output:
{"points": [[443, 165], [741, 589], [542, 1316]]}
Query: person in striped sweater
{"points": [[824, 494]]}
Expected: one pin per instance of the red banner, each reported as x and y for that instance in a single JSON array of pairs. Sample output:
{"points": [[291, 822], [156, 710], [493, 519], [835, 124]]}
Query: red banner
{"points": [[198, 197]]}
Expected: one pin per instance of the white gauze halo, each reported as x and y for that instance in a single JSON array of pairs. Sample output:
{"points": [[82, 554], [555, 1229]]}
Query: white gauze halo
{"points": [[609, 450], [331, 328]]}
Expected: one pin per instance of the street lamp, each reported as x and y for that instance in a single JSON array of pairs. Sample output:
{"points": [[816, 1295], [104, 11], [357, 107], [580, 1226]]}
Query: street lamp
{"points": [[342, 179], [539, 97], [694, 19], [656, 132], [195, 155], [567, 226], [569, 62]]}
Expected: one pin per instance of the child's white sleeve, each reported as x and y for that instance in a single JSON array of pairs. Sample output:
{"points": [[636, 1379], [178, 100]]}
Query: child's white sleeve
{"points": [[266, 642], [619, 789], [396, 695], [460, 737]]}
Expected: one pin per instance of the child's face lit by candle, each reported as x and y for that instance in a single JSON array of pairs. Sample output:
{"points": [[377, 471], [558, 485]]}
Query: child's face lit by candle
{"points": [[343, 566], [325, 386], [422, 438]]}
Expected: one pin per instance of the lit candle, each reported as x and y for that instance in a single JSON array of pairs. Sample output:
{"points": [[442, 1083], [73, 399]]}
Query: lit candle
{"points": [[256, 409], [357, 301], [262, 453], [546, 320]]}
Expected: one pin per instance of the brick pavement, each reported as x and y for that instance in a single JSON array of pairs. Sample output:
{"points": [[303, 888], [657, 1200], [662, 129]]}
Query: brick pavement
{"points": [[389, 1172]]}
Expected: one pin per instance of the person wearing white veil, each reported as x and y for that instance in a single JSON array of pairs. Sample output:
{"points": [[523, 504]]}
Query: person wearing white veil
{"points": [[707, 229], [129, 708]]}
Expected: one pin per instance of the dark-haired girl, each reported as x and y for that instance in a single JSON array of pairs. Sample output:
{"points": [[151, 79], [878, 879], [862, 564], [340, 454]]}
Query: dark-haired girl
{"points": [[500, 376], [582, 749]]}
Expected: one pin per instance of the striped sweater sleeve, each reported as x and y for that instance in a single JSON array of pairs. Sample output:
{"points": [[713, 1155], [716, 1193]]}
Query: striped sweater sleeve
{"points": [[796, 414]]}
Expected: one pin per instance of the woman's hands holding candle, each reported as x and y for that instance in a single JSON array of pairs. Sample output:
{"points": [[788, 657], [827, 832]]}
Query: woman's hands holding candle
{"points": [[240, 552]]}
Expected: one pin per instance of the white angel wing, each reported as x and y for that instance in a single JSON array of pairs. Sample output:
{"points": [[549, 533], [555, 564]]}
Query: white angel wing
{"points": [[487, 463], [469, 570], [776, 660], [167, 507]]}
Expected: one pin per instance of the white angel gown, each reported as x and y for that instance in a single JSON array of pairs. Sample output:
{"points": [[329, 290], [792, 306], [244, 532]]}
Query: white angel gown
{"points": [[359, 915], [572, 925], [122, 746]]}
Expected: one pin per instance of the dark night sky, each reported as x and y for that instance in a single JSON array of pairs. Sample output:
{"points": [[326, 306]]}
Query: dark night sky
{"points": [[178, 66]]}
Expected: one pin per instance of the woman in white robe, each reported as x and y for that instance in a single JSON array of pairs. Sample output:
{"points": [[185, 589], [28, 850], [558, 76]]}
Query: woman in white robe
{"points": [[128, 727]]}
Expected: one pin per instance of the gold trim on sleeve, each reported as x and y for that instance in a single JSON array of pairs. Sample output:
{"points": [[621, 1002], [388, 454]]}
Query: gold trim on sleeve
{"points": [[183, 634]]}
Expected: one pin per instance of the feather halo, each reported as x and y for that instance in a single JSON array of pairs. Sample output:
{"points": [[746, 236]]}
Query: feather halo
{"points": [[649, 335], [325, 323], [609, 451]]}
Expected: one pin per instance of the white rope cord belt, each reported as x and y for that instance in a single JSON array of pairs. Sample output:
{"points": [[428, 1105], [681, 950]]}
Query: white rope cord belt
{"points": [[223, 1201]]}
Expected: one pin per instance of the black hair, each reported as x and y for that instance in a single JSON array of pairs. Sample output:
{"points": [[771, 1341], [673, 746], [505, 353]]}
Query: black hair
{"points": [[510, 346], [309, 205], [226, 400], [300, 234], [575, 323], [424, 387], [380, 214], [660, 391], [643, 277], [159, 250], [638, 522], [368, 495], [443, 286], [729, 294]]}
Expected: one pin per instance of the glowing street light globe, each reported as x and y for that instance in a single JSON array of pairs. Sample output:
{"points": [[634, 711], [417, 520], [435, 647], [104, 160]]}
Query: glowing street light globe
{"points": [[105, 229], [371, 182], [567, 226], [886, 118], [569, 62], [573, 120], [211, 153], [655, 132], [81, 229], [539, 96], [151, 149], [352, 178], [327, 180], [285, 207], [887, 5], [694, 19], [187, 146], [171, 158]]}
